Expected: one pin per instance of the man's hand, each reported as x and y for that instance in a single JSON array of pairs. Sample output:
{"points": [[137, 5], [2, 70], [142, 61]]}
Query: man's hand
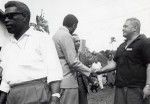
{"points": [[3, 97], [146, 91], [111, 66], [55, 100], [93, 70], [93, 74], [99, 71]]}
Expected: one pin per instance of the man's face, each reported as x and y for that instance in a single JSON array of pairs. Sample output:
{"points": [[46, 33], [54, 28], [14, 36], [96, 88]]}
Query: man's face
{"points": [[76, 42], [128, 29], [13, 20]]}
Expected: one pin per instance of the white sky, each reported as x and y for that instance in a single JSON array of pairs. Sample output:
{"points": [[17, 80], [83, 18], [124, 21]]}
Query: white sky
{"points": [[99, 20]]}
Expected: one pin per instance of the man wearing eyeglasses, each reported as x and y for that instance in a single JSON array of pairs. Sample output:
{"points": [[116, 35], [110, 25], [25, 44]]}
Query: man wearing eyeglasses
{"points": [[31, 68]]}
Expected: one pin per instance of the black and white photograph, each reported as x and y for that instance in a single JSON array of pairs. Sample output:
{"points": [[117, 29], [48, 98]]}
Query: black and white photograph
{"points": [[74, 52]]}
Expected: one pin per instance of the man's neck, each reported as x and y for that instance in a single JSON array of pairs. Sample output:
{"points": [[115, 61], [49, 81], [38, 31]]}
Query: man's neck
{"points": [[68, 29], [129, 41], [19, 34], [134, 36]]}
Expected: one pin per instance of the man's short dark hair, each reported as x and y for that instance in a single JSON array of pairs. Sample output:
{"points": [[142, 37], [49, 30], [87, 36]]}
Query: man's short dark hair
{"points": [[21, 7], [70, 20]]}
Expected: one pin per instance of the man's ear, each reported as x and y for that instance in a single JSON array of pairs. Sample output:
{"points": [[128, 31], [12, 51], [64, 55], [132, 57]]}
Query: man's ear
{"points": [[24, 19], [74, 26], [135, 28]]}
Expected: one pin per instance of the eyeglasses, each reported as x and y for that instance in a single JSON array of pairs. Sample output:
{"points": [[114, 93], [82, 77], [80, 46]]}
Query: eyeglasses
{"points": [[12, 15]]}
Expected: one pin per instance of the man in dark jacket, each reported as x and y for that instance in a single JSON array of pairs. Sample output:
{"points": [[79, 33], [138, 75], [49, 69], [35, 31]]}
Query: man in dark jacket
{"points": [[132, 64]]}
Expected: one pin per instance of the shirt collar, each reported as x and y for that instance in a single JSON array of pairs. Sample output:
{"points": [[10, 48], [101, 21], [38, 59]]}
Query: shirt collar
{"points": [[26, 34], [139, 37], [64, 28]]}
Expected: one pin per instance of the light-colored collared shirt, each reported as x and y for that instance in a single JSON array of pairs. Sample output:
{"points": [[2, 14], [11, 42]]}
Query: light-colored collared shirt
{"points": [[68, 58], [31, 57]]}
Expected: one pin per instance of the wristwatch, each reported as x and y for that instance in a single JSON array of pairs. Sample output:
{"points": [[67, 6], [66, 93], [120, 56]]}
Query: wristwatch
{"points": [[56, 95]]}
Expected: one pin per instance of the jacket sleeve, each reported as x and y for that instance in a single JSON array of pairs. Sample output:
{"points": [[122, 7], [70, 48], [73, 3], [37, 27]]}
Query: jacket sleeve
{"points": [[68, 48]]}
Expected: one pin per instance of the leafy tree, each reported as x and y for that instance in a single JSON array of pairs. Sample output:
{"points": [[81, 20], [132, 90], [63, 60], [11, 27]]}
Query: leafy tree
{"points": [[86, 57], [41, 23]]}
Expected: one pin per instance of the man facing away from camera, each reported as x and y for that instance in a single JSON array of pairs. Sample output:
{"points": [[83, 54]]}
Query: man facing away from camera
{"points": [[69, 60], [31, 68], [132, 64]]}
